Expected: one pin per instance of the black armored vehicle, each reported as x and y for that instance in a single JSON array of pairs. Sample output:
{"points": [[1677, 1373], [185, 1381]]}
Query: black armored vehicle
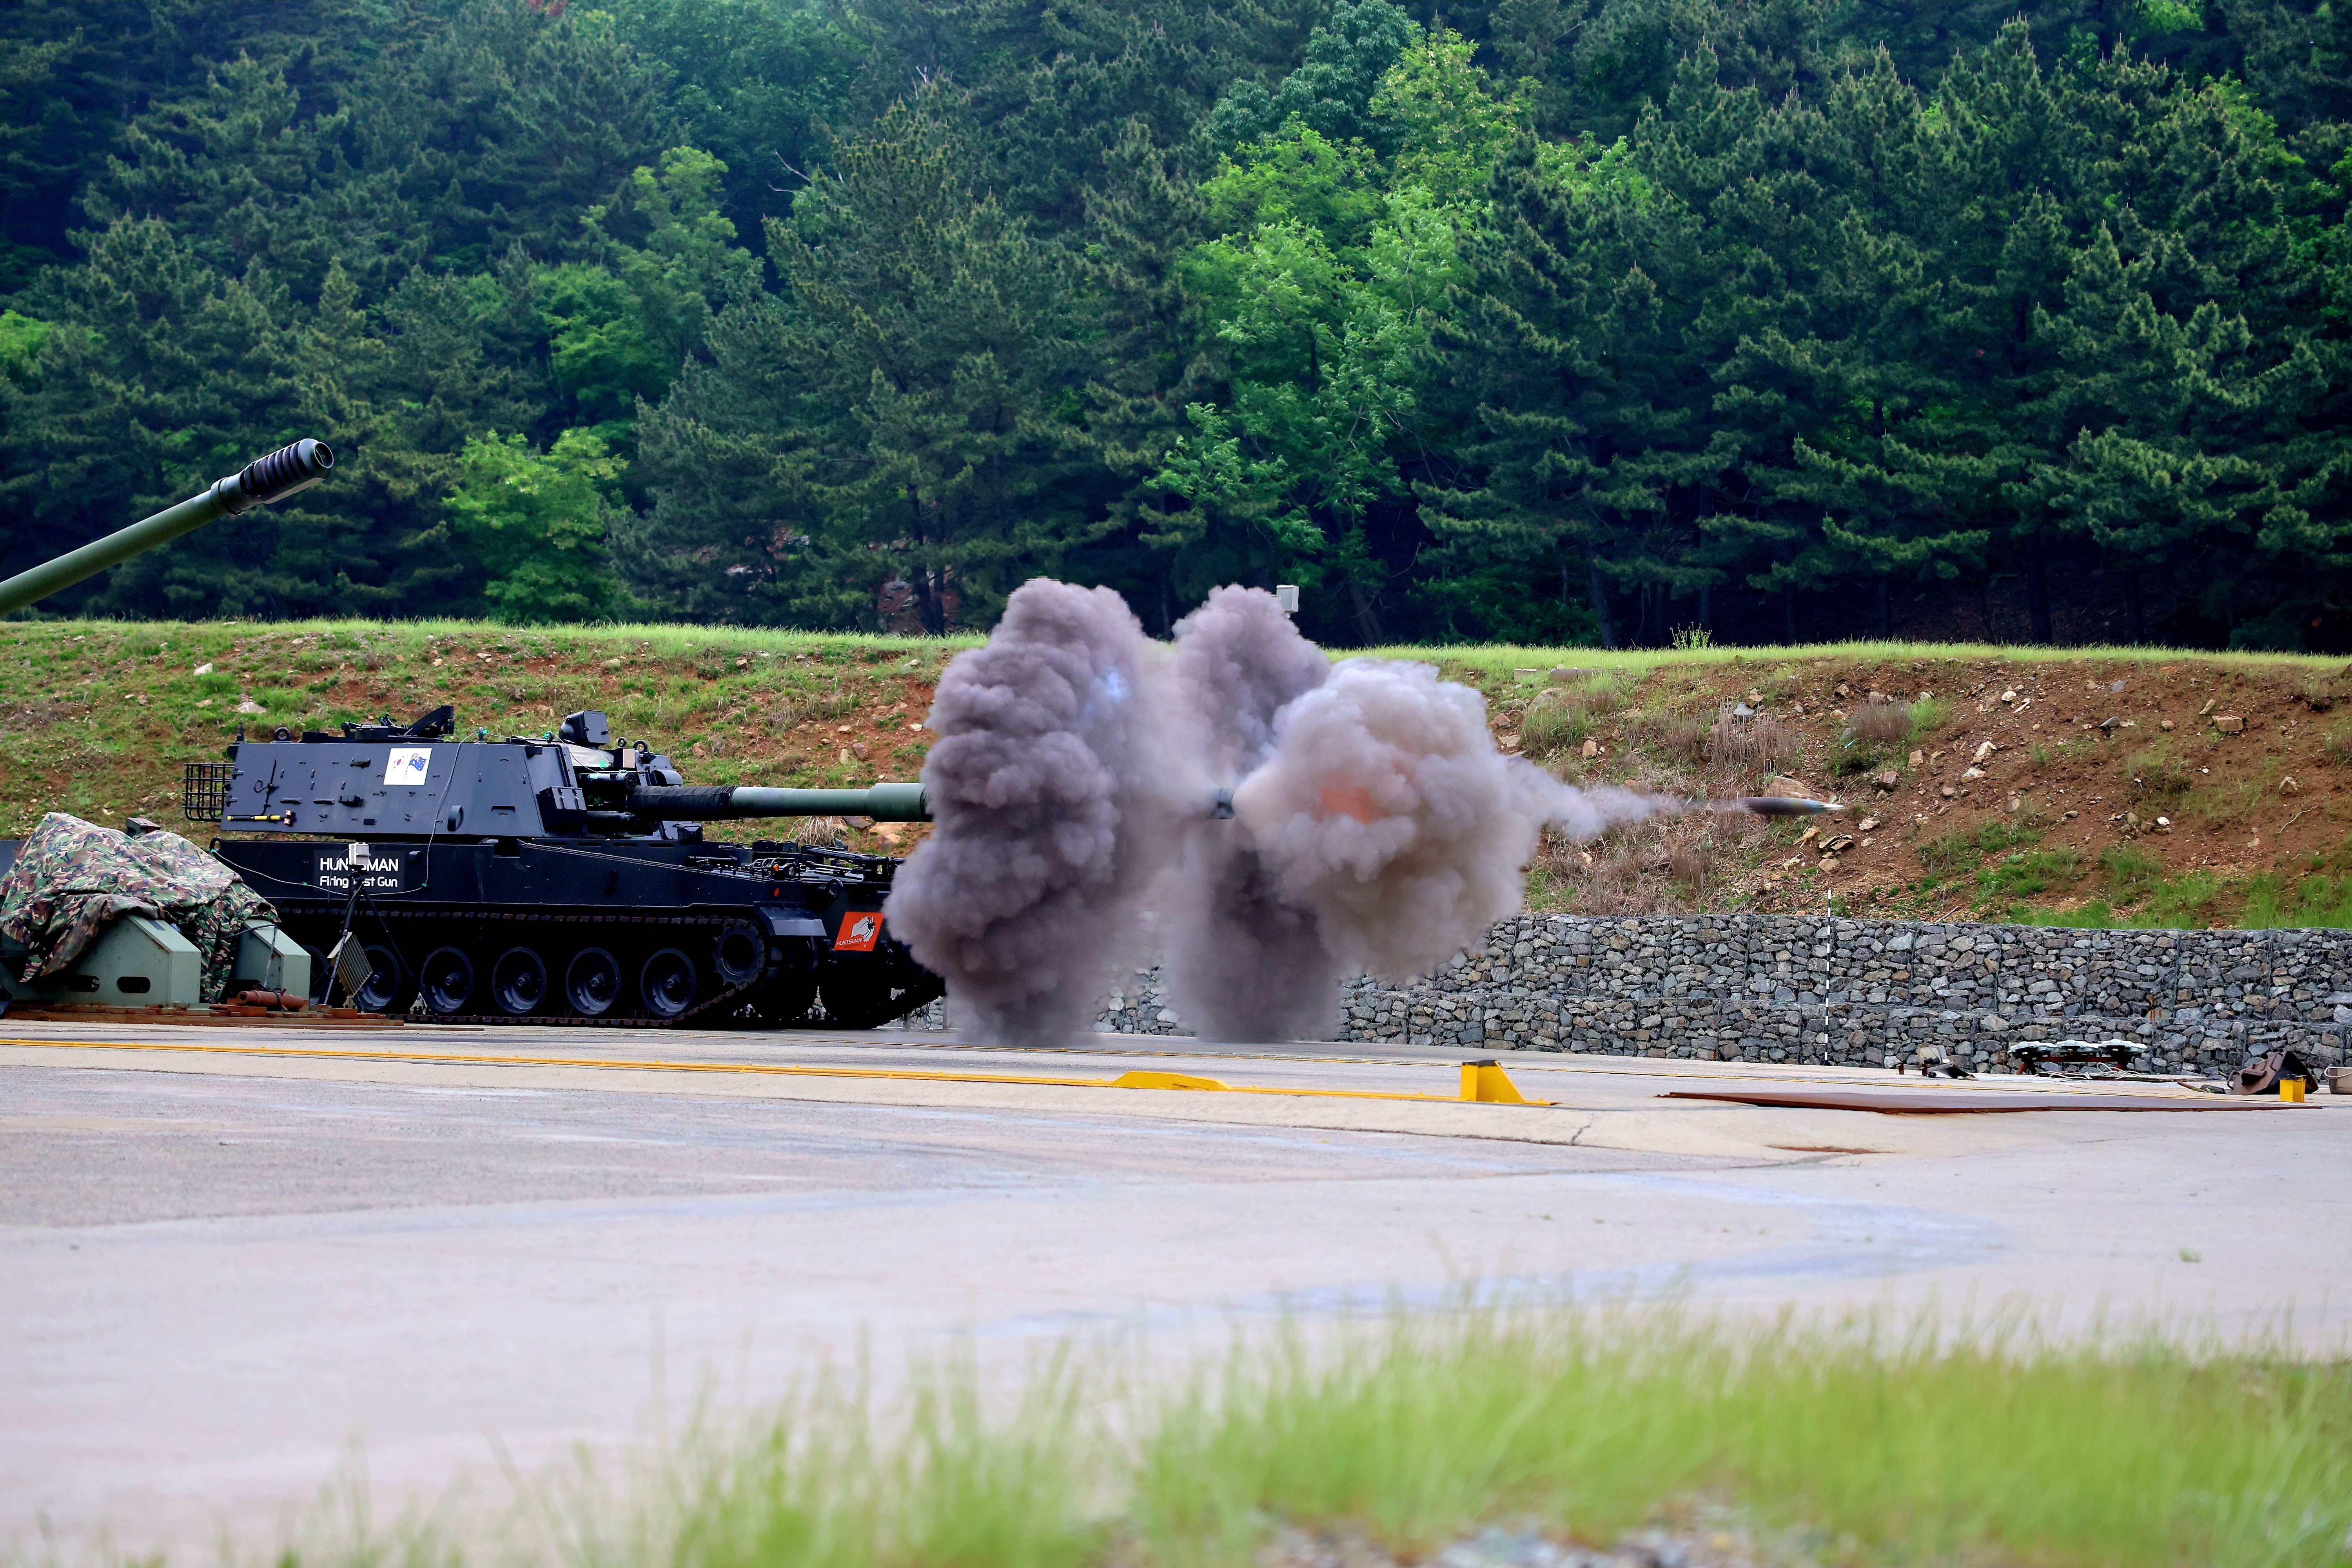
{"points": [[559, 879], [562, 879]]}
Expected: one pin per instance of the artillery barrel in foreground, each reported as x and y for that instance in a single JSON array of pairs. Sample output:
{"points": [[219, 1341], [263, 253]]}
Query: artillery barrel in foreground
{"points": [[266, 479]]}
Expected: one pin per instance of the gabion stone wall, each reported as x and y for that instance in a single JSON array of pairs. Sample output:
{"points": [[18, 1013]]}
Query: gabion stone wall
{"points": [[1789, 988]]}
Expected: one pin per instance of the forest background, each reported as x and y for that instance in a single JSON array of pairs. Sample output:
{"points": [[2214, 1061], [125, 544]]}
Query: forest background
{"points": [[1536, 321]]}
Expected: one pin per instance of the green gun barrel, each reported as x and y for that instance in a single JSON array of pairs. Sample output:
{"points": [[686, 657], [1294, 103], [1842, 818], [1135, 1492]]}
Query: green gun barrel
{"points": [[266, 479], [720, 803], [882, 802]]}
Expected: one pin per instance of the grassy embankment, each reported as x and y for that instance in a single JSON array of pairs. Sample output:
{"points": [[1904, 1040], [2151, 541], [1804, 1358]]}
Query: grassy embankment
{"points": [[1850, 1443], [2073, 786], [97, 719], [1498, 659], [2110, 796]]}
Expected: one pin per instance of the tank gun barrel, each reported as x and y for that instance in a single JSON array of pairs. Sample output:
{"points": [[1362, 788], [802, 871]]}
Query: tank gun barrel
{"points": [[882, 802], [266, 479], [720, 803]]}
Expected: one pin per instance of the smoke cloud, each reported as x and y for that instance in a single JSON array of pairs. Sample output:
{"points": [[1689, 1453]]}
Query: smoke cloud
{"points": [[1244, 961], [1060, 787], [1375, 826], [1385, 809]]}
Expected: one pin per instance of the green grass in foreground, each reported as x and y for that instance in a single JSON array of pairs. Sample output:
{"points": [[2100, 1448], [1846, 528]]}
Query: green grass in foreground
{"points": [[1879, 1443]]}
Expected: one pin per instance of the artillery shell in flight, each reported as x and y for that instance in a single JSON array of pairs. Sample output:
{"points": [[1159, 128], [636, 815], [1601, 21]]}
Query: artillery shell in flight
{"points": [[1778, 806]]}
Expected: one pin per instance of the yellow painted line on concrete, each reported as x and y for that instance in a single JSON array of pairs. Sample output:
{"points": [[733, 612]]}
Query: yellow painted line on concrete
{"points": [[1635, 1067], [1478, 1089], [1605, 1066]]}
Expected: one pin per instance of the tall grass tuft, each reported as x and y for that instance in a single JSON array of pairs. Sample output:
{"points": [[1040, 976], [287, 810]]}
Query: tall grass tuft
{"points": [[1929, 714], [826, 1483], [1755, 745], [1927, 1445], [1561, 716], [1966, 848], [1897, 1439], [2318, 900], [1679, 736], [1880, 725]]}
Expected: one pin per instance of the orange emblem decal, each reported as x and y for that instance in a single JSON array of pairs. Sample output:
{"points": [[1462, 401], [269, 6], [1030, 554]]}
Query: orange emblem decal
{"points": [[859, 934]]}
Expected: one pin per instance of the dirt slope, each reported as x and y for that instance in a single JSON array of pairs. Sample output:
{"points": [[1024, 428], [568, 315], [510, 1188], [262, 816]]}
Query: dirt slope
{"points": [[2090, 789], [2115, 788]]}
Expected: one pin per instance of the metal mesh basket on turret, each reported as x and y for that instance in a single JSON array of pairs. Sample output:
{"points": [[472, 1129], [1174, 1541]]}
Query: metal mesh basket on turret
{"points": [[204, 790]]}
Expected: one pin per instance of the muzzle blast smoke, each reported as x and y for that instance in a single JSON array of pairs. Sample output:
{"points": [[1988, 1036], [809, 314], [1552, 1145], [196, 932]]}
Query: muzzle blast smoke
{"points": [[1269, 820]]}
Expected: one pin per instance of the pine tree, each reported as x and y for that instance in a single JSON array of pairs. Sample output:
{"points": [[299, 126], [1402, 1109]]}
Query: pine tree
{"points": [[731, 533], [1051, 89], [757, 85], [924, 344], [2295, 56], [1830, 377], [1595, 459], [2188, 375], [1330, 93], [1146, 363]]}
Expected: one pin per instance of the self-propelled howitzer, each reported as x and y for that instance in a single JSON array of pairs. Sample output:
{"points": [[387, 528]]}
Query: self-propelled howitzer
{"points": [[561, 879]]}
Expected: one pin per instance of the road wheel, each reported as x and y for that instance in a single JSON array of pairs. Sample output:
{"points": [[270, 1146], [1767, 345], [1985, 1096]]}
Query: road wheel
{"points": [[389, 988], [446, 978], [738, 956], [667, 984], [591, 982], [519, 981]]}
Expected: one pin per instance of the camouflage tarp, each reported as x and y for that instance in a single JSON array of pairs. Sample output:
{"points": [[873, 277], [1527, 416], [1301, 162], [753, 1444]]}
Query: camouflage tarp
{"points": [[73, 879]]}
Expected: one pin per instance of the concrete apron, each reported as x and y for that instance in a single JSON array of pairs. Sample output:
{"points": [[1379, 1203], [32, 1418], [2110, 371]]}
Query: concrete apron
{"points": [[228, 1275], [1596, 1101]]}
